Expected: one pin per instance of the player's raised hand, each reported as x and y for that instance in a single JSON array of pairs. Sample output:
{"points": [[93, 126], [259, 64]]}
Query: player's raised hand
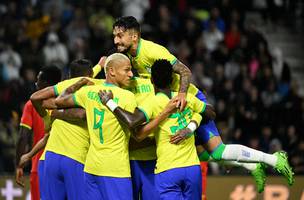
{"points": [[105, 96], [102, 61], [180, 136], [182, 102], [19, 176]]}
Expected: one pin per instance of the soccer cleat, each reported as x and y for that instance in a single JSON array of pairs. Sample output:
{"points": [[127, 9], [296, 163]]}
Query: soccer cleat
{"points": [[259, 176], [282, 166]]}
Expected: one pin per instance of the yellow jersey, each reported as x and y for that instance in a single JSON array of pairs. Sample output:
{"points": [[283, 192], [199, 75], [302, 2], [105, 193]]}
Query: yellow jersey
{"points": [[108, 153], [143, 89], [169, 155], [147, 53], [70, 140], [192, 89]]}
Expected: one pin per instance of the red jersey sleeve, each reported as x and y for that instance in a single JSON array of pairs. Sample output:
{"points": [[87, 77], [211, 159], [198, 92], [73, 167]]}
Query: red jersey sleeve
{"points": [[27, 115]]}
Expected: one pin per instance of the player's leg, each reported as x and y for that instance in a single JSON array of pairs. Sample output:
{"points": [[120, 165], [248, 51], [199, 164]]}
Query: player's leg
{"points": [[209, 136], [41, 179], [203, 134], [168, 184], [236, 152], [204, 171], [54, 186], [34, 186], [136, 180], [148, 179], [257, 170], [91, 187], [192, 183], [115, 188], [73, 178]]}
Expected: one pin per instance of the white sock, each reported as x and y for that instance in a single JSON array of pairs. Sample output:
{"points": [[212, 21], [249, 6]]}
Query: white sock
{"points": [[241, 153], [248, 166]]}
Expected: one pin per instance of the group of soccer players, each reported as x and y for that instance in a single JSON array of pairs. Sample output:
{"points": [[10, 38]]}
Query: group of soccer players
{"points": [[130, 137]]}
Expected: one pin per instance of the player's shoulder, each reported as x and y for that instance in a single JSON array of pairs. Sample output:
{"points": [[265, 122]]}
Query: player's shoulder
{"points": [[124, 92], [150, 44], [28, 105], [97, 81], [68, 82], [143, 79]]}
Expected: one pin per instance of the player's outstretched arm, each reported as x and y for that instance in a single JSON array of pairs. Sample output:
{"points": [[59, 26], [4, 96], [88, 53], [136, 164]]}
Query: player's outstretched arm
{"points": [[38, 97], [143, 131], [22, 143], [72, 115], [134, 120], [185, 77], [38, 147], [65, 100], [131, 120]]}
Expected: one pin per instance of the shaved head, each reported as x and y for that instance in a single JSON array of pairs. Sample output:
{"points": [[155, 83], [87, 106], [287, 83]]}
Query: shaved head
{"points": [[113, 58]]}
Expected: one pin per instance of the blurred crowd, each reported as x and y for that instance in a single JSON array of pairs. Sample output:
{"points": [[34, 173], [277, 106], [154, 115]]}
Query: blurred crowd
{"points": [[250, 85]]}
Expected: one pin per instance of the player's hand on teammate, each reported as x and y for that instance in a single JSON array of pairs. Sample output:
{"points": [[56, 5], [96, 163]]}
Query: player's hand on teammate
{"points": [[182, 102], [172, 106], [180, 136], [19, 176], [105, 96]]}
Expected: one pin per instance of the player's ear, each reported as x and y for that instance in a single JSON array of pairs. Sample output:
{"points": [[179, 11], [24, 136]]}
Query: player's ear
{"points": [[111, 71], [135, 36]]}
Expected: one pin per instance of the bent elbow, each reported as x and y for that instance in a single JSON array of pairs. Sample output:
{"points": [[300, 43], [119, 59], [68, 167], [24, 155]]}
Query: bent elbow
{"points": [[34, 97]]}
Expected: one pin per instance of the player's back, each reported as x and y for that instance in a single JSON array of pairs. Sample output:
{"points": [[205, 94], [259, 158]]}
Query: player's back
{"points": [[108, 153], [171, 155], [147, 53], [69, 139], [143, 89]]}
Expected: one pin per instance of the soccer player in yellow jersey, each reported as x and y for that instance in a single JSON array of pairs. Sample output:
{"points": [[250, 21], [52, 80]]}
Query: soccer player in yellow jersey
{"points": [[68, 142], [143, 53], [177, 169], [107, 168], [142, 160]]}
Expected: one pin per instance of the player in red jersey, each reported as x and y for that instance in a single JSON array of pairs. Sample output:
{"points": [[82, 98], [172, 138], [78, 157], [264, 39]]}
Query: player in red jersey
{"points": [[32, 128]]}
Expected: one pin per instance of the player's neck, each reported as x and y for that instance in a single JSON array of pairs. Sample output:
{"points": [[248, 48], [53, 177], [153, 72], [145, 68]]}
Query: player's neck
{"points": [[133, 49], [165, 91], [111, 81]]}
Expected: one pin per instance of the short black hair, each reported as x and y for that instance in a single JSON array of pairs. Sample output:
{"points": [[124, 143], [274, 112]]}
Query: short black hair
{"points": [[80, 67], [127, 22], [50, 74], [162, 73]]}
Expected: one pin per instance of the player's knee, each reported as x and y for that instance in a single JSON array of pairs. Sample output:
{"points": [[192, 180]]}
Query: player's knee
{"points": [[217, 154], [216, 157]]}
